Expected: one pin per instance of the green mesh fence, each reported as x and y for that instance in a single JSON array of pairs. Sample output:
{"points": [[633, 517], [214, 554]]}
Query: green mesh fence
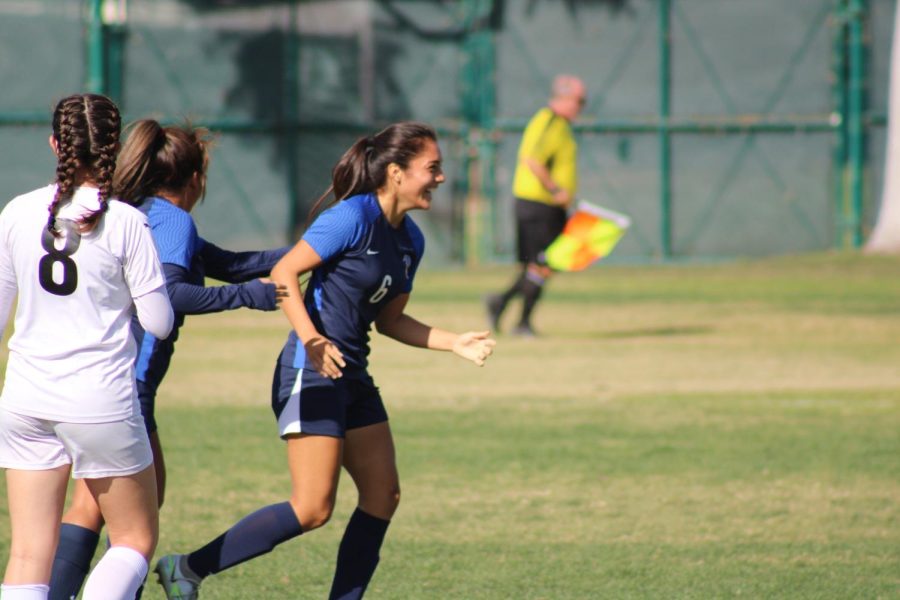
{"points": [[724, 129]]}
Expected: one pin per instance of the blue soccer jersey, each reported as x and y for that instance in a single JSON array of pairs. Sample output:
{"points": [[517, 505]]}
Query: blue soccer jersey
{"points": [[178, 243], [187, 260], [366, 263]]}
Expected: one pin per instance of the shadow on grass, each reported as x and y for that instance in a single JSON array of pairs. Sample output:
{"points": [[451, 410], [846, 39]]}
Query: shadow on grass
{"points": [[634, 333]]}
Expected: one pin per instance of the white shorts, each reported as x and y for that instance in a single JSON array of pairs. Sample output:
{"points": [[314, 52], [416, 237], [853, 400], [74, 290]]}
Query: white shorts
{"points": [[94, 450]]}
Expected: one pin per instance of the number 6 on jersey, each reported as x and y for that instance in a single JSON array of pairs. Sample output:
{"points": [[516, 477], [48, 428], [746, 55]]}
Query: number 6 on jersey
{"points": [[382, 291]]}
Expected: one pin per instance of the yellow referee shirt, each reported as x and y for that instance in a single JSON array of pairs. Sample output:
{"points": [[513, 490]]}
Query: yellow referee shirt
{"points": [[548, 140]]}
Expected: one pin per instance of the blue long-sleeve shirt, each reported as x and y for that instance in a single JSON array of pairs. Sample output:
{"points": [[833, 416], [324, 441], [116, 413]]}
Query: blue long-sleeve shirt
{"points": [[187, 260]]}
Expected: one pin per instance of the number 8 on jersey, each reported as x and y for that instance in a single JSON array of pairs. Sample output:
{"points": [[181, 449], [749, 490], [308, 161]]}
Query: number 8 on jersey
{"points": [[62, 256]]}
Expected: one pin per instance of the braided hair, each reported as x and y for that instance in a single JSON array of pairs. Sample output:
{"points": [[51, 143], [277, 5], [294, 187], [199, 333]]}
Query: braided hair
{"points": [[86, 129]]}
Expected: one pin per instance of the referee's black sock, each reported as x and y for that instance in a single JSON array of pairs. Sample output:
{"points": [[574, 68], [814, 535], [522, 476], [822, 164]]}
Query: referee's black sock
{"points": [[532, 287], [515, 288]]}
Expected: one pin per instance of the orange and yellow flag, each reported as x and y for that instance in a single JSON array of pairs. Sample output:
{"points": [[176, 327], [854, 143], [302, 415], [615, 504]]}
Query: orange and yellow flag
{"points": [[590, 234]]}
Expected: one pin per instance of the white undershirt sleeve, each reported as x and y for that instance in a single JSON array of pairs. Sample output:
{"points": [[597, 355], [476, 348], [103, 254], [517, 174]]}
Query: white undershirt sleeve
{"points": [[9, 287], [7, 296], [154, 311]]}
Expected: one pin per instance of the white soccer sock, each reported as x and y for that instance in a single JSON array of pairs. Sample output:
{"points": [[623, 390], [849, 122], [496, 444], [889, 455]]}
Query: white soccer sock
{"points": [[117, 576], [34, 591]]}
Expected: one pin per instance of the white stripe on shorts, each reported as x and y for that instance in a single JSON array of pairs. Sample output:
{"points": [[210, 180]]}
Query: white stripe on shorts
{"points": [[289, 419]]}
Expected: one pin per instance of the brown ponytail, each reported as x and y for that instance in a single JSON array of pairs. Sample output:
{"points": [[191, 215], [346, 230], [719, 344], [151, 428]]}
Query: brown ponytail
{"points": [[86, 128], [156, 159], [363, 167]]}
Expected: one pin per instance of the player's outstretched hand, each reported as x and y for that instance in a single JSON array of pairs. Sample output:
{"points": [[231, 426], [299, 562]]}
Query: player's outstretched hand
{"points": [[325, 357], [475, 346]]}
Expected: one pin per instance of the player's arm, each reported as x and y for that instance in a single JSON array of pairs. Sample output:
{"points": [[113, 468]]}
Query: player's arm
{"points": [[238, 267], [475, 346], [144, 276], [154, 313], [191, 299], [9, 287], [8, 290], [325, 357]]}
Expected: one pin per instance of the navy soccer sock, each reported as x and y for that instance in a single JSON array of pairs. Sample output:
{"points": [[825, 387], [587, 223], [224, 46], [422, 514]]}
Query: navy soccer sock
{"points": [[255, 534], [357, 556], [72, 561]]}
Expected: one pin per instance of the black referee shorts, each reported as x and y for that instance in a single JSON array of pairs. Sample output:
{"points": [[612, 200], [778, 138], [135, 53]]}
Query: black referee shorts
{"points": [[537, 225]]}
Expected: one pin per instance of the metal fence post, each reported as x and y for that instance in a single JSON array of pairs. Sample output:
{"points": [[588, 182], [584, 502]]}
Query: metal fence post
{"points": [[290, 116], [839, 119], [96, 49], [665, 141], [478, 106], [855, 129]]}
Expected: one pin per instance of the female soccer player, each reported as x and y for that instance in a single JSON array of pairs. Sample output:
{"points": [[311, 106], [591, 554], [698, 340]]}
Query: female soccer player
{"points": [[162, 170], [362, 254], [78, 262]]}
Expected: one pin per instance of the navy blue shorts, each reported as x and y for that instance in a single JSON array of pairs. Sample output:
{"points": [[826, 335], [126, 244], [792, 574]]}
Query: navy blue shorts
{"points": [[147, 398], [305, 402]]}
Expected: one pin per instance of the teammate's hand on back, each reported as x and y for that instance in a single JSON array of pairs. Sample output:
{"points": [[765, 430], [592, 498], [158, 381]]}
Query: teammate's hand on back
{"points": [[475, 346], [325, 357], [281, 291]]}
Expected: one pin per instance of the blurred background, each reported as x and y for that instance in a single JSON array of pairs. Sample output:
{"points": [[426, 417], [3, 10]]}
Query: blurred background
{"points": [[727, 128]]}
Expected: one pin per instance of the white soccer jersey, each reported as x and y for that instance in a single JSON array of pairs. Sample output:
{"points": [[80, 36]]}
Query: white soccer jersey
{"points": [[72, 354]]}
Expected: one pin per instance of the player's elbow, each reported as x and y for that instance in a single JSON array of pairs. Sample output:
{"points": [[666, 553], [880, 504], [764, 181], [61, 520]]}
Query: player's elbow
{"points": [[384, 326], [160, 324], [278, 273], [155, 314]]}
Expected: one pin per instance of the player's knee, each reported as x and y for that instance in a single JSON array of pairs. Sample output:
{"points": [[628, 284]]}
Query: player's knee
{"points": [[381, 503], [143, 542], [84, 514], [392, 498], [139, 534], [312, 514]]}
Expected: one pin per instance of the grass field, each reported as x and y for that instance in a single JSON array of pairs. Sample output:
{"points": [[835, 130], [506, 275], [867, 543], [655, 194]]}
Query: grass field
{"points": [[717, 431]]}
